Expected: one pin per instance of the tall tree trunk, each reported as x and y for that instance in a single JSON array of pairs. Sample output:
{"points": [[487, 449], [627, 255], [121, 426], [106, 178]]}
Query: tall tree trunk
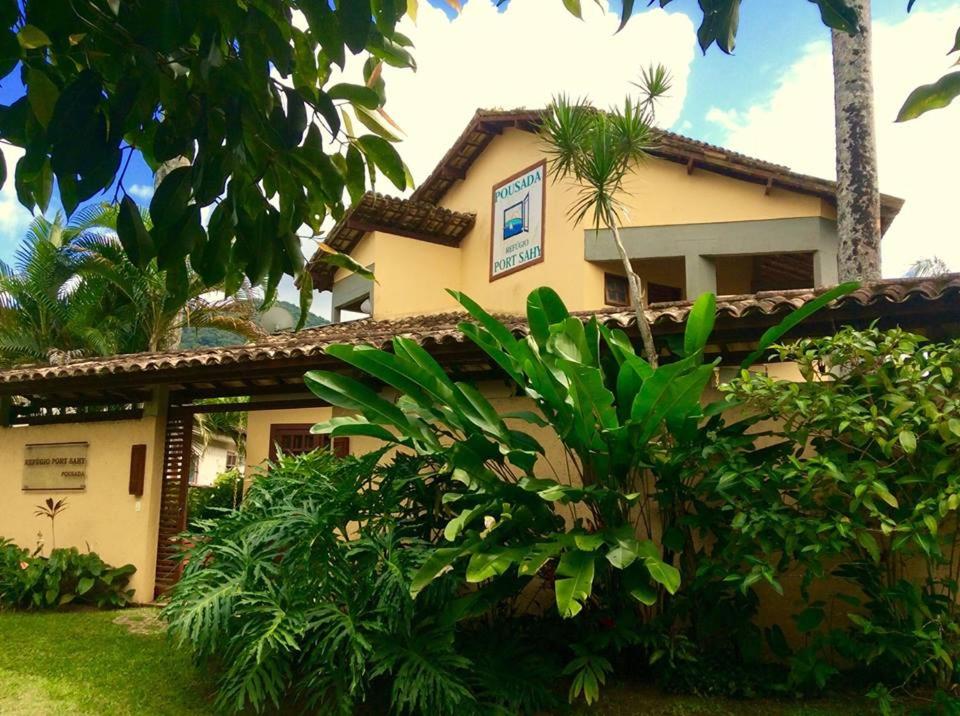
{"points": [[636, 298], [858, 194]]}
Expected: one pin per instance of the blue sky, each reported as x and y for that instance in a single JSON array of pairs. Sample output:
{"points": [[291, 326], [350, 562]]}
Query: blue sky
{"points": [[770, 46]]}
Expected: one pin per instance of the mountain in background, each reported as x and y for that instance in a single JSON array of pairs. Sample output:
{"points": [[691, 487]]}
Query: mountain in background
{"points": [[214, 338]]}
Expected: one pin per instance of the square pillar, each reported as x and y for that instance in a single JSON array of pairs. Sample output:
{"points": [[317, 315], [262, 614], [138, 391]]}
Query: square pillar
{"points": [[825, 272], [701, 275]]}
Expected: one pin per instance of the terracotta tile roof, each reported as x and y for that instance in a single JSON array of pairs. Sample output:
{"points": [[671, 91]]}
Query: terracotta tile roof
{"points": [[487, 124], [941, 295], [402, 217]]}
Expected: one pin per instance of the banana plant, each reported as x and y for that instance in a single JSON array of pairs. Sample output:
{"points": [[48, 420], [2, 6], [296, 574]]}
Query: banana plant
{"points": [[514, 511]]}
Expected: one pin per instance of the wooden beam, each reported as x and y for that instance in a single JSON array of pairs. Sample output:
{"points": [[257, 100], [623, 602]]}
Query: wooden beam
{"points": [[254, 407], [691, 163], [769, 186], [63, 418]]}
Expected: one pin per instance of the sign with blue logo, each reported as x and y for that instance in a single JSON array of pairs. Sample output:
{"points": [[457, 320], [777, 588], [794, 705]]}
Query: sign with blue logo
{"points": [[518, 204]]}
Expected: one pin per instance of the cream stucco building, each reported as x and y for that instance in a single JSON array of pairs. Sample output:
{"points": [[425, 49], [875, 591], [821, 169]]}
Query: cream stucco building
{"points": [[490, 222]]}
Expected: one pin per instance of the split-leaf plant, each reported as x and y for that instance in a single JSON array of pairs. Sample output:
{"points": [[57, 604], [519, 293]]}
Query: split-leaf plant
{"points": [[567, 512]]}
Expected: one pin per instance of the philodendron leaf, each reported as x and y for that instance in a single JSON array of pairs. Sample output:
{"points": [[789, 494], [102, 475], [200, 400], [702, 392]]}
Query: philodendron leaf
{"points": [[575, 582], [436, 563], [932, 96]]}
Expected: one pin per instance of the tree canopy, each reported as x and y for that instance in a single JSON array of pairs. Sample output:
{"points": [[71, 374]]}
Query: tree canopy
{"points": [[246, 95]]}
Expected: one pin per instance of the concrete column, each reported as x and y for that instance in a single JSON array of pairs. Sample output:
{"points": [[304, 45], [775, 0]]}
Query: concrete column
{"points": [[825, 271], [701, 275]]}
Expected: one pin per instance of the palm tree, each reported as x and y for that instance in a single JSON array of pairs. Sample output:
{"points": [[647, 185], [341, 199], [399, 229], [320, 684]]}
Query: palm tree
{"points": [[925, 268], [43, 317], [858, 193], [143, 317], [74, 292], [598, 150]]}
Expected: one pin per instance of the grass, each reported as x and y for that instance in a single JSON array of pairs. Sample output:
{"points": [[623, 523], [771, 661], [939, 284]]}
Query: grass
{"points": [[81, 662], [120, 662]]}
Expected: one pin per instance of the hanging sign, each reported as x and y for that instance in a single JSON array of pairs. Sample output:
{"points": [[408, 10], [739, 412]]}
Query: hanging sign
{"points": [[55, 466], [518, 208]]}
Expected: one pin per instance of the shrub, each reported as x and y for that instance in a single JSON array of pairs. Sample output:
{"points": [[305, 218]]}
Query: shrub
{"points": [[303, 593], [67, 576], [206, 503], [515, 514], [862, 487]]}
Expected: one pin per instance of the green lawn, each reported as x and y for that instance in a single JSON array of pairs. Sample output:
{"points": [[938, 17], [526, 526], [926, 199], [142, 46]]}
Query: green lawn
{"points": [[84, 662]]}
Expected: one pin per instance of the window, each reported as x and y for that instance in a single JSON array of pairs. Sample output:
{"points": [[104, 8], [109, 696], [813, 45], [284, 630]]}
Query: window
{"points": [[616, 290], [296, 439], [231, 459], [659, 293]]}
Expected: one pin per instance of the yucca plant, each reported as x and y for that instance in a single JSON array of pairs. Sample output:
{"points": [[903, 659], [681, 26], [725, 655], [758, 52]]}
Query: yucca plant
{"points": [[598, 150]]}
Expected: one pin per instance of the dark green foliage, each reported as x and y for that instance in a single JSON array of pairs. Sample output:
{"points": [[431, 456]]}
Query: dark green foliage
{"points": [[240, 90], [207, 503], [863, 486], [303, 594], [67, 576]]}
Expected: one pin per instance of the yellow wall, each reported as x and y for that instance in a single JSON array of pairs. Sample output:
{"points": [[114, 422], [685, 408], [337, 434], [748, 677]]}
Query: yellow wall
{"points": [[120, 527], [258, 430], [412, 274]]}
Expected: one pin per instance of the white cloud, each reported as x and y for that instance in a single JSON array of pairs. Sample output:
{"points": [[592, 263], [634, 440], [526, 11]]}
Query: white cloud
{"points": [[521, 58], [917, 159], [14, 217], [142, 192]]}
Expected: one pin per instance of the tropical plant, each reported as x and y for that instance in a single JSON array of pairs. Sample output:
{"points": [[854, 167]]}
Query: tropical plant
{"points": [[302, 597], [598, 150], [517, 508], [139, 311], [51, 509], [207, 503], [936, 95], [230, 424], [74, 292], [67, 576], [861, 484], [932, 266], [42, 317], [106, 78]]}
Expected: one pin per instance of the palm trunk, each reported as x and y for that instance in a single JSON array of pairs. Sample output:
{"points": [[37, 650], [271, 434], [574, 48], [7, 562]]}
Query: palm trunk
{"points": [[858, 194], [636, 298]]}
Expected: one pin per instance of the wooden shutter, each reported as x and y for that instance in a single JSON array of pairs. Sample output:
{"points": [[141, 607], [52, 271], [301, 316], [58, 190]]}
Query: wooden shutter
{"points": [[138, 469], [296, 439], [177, 452]]}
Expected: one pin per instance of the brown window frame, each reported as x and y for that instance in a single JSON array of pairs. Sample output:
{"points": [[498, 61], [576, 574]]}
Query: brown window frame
{"points": [[607, 279], [341, 446]]}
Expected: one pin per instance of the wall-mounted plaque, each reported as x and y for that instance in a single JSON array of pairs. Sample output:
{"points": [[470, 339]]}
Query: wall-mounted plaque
{"points": [[55, 466], [518, 207]]}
